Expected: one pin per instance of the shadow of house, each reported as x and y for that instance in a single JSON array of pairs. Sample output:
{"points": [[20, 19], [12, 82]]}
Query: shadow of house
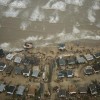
{"points": [[8, 69], [31, 61], [97, 55], [2, 66], [2, 53], [62, 93], [96, 67], [10, 89], [40, 91], [71, 61], [93, 89], [18, 70], [82, 90]]}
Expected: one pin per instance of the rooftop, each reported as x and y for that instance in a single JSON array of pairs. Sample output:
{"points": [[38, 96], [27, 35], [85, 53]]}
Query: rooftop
{"points": [[89, 57], [20, 90], [31, 91], [2, 87], [17, 59], [62, 62], [10, 56], [88, 70], [71, 61], [18, 70], [35, 73], [69, 73], [80, 60]]}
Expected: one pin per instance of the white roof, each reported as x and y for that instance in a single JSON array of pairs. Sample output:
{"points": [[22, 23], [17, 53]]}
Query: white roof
{"points": [[10, 56]]}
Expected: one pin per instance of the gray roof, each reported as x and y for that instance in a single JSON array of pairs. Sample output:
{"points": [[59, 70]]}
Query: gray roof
{"points": [[18, 70], [17, 59], [62, 62], [20, 90], [35, 73], [2, 87], [80, 59], [88, 70], [89, 57]]}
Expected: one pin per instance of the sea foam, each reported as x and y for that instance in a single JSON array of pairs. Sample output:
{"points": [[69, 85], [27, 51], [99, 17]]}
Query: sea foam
{"points": [[24, 25], [37, 15], [96, 5], [91, 15], [75, 2], [5, 45], [54, 18], [11, 12], [59, 5], [4, 2], [75, 30], [19, 3], [32, 38]]}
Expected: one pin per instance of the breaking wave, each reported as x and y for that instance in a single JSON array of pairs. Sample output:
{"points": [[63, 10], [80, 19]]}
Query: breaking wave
{"points": [[96, 5], [91, 15], [37, 15], [19, 3], [4, 2], [24, 25], [32, 38], [59, 5], [75, 2], [11, 12], [54, 18]]}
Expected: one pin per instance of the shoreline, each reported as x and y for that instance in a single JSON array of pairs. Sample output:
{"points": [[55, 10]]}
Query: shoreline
{"points": [[81, 42]]}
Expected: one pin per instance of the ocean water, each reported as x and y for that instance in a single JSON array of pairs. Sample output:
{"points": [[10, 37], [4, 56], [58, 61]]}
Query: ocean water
{"points": [[45, 22]]}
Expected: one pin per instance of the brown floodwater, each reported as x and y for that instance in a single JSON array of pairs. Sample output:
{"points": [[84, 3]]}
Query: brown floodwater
{"points": [[48, 21]]}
